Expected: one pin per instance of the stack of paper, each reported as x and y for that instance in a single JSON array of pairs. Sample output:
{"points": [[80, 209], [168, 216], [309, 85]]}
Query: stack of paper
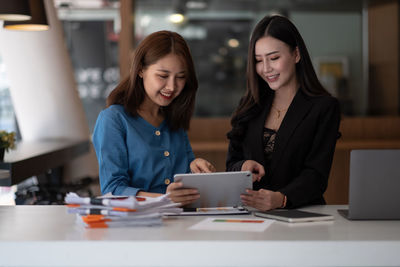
{"points": [[113, 211]]}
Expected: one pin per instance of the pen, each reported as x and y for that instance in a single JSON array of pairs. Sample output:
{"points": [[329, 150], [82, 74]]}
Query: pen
{"points": [[217, 208], [238, 221]]}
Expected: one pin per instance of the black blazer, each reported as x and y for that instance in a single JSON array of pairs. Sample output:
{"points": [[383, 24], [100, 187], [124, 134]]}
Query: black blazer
{"points": [[303, 151]]}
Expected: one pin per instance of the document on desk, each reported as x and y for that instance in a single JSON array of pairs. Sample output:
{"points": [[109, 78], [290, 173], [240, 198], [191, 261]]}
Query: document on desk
{"points": [[120, 211], [232, 224]]}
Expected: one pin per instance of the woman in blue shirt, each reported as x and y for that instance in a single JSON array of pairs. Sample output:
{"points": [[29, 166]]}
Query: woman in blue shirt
{"points": [[140, 138]]}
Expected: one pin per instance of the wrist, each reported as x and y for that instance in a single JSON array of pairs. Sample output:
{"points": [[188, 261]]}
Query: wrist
{"points": [[283, 201]]}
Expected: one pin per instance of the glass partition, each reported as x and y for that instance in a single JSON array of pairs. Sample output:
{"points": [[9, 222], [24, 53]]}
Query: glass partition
{"points": [[218, 34]]}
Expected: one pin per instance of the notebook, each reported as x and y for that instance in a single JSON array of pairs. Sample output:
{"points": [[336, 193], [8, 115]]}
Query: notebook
{"points": [[217, 189], [374, 185], [294, 215]]}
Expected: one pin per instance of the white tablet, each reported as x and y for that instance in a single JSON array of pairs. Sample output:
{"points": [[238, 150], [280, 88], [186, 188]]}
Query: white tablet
{"points": [[217, 189]]}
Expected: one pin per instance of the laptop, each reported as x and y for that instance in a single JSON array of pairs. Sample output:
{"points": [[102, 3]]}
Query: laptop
{"points": [[217, 189], [374, 191]]}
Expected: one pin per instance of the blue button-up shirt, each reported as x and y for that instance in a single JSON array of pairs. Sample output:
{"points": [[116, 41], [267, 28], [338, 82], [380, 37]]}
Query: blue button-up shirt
{"points": [[134, 155]]}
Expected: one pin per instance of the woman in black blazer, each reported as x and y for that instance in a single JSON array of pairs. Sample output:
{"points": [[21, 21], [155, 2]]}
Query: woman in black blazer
{"points": [[285, 128]]}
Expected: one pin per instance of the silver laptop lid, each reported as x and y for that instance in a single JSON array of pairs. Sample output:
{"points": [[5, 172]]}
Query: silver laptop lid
{"points": [[374, 191]]}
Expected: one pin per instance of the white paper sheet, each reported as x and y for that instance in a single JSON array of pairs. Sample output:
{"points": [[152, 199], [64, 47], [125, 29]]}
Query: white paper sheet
{"points": [[233, 224]]}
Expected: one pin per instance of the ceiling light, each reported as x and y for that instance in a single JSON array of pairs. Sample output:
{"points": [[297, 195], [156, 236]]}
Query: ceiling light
{"points": [[176, 18], [233, 43], [15, 10], [38, 22]]}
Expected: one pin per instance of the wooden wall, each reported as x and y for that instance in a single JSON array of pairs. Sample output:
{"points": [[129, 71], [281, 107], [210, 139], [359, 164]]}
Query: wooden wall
{"points": [[126, 36], [208, 139], [383, 53]]}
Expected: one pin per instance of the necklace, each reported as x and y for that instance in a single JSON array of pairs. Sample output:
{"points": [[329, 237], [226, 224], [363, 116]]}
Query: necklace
{"points": [[279, 111]]}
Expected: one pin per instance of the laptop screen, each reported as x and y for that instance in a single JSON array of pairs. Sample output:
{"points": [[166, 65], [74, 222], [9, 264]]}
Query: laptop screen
{"points": [[374, 191]]}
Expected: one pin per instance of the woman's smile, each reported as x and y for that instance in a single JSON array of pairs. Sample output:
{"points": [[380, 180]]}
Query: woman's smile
{"points": [[166, 95], [272, 78]]}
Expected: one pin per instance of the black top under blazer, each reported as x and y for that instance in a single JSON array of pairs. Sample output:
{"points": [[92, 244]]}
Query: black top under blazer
{"points": [[303, 151]]}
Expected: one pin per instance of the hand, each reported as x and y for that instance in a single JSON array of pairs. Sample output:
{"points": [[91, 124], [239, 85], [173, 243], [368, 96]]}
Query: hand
{"points": [[262, 199], [201, 165], [178, 194], [255, 168]]}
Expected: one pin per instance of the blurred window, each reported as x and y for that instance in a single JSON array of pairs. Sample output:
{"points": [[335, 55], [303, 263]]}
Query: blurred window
{"points": [[91, 30], [8, 121]]}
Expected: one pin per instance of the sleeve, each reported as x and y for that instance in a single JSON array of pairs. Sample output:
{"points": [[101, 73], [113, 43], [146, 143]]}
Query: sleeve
{"points": [[189, 151], [112, 155], [235, 157], [313, 179]]}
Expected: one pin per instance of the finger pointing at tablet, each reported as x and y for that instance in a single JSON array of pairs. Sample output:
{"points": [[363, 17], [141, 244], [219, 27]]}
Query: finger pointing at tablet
{"points": [[200, 165]]}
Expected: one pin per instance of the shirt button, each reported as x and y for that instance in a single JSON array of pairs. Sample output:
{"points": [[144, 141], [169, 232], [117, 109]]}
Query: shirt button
{"points": [[158, 133], [167, 181], [166, 153]]}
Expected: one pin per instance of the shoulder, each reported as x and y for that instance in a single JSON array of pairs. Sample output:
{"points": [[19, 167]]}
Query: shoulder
{"points": [[326, 108], [114, 112], [323, 107], [113, 115], [324, 102]]}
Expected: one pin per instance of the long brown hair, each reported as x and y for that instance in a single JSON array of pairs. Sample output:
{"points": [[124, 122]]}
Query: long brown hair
{"points": [[130, 92], [257, 90]]}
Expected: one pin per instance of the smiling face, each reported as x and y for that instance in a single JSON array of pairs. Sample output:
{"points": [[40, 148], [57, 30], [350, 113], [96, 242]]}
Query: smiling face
{"points": [[276, 63], [164, 80]]}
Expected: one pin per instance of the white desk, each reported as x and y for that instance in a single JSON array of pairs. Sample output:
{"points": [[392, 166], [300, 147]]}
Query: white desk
{"points": [[48, 236]]}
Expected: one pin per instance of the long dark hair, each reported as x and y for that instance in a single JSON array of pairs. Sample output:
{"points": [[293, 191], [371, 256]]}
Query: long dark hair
{"points": [[257, 90], [130, 92]]}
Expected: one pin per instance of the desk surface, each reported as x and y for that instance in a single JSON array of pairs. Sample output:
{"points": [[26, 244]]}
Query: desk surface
{"points": [[48, 236], [31, 158]]}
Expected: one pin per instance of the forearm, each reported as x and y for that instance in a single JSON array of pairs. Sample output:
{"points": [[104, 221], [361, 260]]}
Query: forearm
{"points": [[307, 188], [235, 166], [147, 194], [117, 187], [235, 158]]}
